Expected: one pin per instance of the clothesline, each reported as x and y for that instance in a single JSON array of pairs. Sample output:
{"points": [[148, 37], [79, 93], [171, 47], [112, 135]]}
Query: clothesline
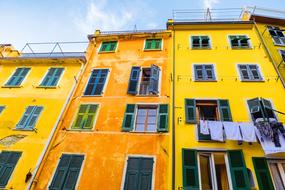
{"points": [[239, 120]]}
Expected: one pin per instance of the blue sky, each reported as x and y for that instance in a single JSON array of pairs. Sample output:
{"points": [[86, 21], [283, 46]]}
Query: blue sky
{"points": [[72, 20]]}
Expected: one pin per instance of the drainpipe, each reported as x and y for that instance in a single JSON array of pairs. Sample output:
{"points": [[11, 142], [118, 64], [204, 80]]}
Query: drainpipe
{"points": [[173, 112], [56, 126], [268, 53]]}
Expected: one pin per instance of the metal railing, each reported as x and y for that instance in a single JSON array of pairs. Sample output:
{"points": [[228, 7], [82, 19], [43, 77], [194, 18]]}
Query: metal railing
{"points": [[131, 31], [54, 50]]}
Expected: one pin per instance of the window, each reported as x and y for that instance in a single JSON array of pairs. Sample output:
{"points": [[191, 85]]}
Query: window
{"points": [[210, 169], [52, 77], [200, 42], [239, 42], [108, 46], [96, 82], [139, 173], [153, 44], [277, 169], [277, 35], [144, 81], [260, 108], [18, 76], [29, 118], [282, 53], [85, 116], [1, 109], [204, 72], [8, 162], [67, 172], [250, 73], [146, 118]]}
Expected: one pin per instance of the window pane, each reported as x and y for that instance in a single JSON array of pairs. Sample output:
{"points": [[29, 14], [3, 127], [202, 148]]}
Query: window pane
{"points": [[140, 127], [205, 169], [151, 128]]}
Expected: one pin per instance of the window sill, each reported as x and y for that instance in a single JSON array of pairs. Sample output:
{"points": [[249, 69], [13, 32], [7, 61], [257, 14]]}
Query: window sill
{"points": [[241, 48], [92, 95], [253, 80], [80, 130], [11, 86], [28, 130], [147, 95], [281, 45], [201, 80], [48, 87], [152, 50], [201, 48], [102, 52], [146, 132]]}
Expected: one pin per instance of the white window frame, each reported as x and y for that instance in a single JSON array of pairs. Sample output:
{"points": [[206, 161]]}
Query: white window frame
{"points": [[102, 52], [202, 80], [250, 80], [282, 44]]}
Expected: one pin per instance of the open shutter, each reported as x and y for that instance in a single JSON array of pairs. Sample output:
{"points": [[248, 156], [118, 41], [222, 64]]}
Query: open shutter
{"points": [[8, 161], [25, 118], [134, 80], [239, 175], [145, 174], [190, 169], [190, 110], [255, 108], [34, 117], [60, 173], [162, 124], [154, 79], [225, 111], [262, 174], [128, 123], [73, 172]]}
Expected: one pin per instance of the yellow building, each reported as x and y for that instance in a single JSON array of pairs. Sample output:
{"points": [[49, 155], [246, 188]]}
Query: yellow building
{"points": [[224, 84], [35, 89]]}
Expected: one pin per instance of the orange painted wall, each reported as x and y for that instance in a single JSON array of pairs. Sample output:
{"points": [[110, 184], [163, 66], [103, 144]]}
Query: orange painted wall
{"points": [[106, 147]]}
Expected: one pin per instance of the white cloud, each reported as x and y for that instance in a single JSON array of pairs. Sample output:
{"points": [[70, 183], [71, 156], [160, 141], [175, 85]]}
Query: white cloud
{"points": [[210, 3], [109, 15]]}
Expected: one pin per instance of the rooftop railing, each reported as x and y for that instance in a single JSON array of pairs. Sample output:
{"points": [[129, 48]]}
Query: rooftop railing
{"points": [[130, 32]]}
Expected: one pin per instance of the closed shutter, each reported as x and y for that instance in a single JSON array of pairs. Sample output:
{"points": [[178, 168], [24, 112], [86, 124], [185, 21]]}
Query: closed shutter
{"points": [[8, 161], [18, 77], [96, 82], [244, 73], [48, 77], [73, 172], [145, 174], [134, 80], [25, 118], [128, 123], [209, 72], [55, 78], [190, 169], [162, 124], [254, 72], [34, 117], [154, 79], [225, 111], [262, 174], [239, 175], [85, 116], [132, 174], [190, 110], [198, 72]]}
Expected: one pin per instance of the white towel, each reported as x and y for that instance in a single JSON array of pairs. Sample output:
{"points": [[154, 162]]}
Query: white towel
{"points": [[268, 146], [247, 131], [232, 130], [216, 130], [204, 127]]}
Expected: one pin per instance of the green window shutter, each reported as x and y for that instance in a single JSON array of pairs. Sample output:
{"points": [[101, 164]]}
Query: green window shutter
{"points": [[108, 46], [190, 169], [132, 173], [153, 44], [239, 175], [128, 123], [85, 116], [8, 161], [262, 174], [190, 110], [146, 167], [162, 124], [134, 80], [225, 111]]}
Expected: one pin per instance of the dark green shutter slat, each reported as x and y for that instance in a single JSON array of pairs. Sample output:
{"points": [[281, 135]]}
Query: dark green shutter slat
{"points": [[85, 116], [225, 111], [134, 80], [128, 123], [190, 110], [238, 170], [262, 173], [162, 124], [190, 169]]}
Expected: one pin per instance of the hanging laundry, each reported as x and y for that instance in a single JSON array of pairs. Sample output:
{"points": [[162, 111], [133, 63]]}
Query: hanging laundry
{"points": [[276, 128], [264, 129], [204, 129], [216, 130], [232, 130], [247, 131]]}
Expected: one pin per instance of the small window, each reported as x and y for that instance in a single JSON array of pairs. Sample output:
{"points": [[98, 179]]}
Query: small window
{"points": [[96, 82], [29, 118], [8, 162], [250, 73], [139, 173], [18, 76], [153, 44], [146, 120], [1, 109], [239, 42], [260, 108], [200, 42], [282, 53], [108, 46], [204, 72], [277, 35], [67, 172], [52, 77], [85, 116]]}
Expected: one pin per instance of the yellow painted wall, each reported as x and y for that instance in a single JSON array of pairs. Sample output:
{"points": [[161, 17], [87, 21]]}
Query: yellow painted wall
{"points": [[105, 147], [16, 100], [228, 85]]}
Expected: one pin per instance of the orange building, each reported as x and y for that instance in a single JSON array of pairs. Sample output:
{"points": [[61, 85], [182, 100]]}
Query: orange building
{"points": [[114, 134]]}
